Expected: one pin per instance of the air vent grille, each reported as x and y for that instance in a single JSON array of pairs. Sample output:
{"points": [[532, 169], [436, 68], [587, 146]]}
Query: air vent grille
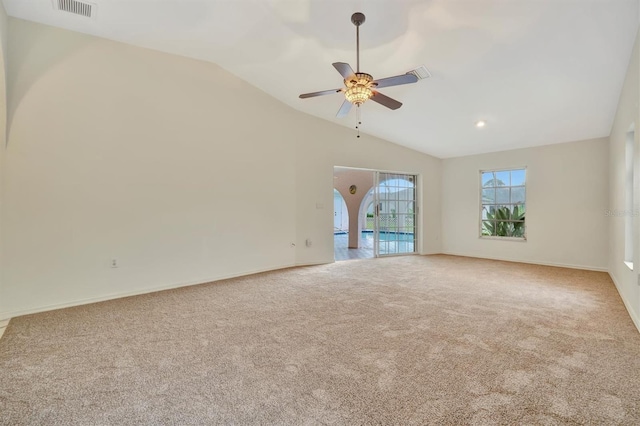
{"points": [[421, 72], [75, 7]]}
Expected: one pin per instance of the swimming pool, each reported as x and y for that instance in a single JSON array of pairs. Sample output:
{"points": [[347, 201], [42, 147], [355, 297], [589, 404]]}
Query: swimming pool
{"points": [[390, 242], [389, 236]]}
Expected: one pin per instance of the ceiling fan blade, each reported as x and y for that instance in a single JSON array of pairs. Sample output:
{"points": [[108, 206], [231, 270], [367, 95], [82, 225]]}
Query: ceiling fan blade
{"points": [[385, 100], [344, 69], [395, 81], [344, 109], [324, 92]]}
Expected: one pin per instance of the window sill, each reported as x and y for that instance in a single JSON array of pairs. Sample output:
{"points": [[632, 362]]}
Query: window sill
{"points": [[629, 265], [516, 239]]}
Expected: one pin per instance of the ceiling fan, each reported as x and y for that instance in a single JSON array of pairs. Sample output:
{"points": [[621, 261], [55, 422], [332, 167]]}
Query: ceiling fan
{"points": [[359, 86]]}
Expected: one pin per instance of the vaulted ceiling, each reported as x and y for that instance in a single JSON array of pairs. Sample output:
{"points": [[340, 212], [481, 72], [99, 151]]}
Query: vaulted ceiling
{"points": [[537, 71]]}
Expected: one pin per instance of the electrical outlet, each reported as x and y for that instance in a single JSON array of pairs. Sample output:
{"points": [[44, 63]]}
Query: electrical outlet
{"points": [[308, 242], [114, 263]]}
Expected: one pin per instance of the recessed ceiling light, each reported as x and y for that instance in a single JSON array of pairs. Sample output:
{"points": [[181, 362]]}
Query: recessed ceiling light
{"points": [[481, 123]]}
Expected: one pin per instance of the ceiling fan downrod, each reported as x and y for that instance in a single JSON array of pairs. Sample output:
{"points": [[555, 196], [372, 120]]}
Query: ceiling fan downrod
{"points": [[358, 19]]}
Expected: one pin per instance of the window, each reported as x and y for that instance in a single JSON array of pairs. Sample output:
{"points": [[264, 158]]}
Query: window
{"points": [[502, 207], [628, 211]]}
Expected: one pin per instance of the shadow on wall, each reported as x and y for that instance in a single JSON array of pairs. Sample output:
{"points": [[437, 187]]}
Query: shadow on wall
{"points": [[4, 30], [385, 23], [41, 58]]}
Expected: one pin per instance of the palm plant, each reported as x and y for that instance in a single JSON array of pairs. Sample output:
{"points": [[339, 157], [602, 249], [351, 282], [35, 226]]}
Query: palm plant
{"points": [[503, 222]]}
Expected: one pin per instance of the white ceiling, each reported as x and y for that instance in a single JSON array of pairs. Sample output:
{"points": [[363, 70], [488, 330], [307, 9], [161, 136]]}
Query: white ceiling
{"points": [[538, 71]]}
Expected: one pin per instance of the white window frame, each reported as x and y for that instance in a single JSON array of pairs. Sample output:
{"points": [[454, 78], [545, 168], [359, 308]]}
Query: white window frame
{"points": [[629, 202], [480, 204]]}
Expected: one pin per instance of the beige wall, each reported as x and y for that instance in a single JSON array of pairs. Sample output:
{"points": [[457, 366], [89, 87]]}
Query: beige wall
{"points": [[4, 23], [4, 39], [566, 196], [180, 171], [627, 116]]}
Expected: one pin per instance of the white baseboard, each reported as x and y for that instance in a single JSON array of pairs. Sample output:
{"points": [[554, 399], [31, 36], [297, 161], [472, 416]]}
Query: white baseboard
{"points": [[634, 317], [5, 316], [12, 314], [632, 314], [559, 265], [314, 263], [3, 326]]}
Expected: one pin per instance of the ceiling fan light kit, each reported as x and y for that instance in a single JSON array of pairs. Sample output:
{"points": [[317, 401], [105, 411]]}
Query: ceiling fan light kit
{"points": [[359, 87]]}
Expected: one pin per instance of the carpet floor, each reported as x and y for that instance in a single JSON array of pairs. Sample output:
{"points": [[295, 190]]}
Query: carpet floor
{"points": [[404, 340]]}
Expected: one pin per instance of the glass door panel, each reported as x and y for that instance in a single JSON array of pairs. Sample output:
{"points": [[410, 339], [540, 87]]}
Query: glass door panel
{"points": [[395, 214]]}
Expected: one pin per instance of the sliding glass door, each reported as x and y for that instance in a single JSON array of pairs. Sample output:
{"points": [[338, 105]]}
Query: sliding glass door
{"points": [[395, 214]]}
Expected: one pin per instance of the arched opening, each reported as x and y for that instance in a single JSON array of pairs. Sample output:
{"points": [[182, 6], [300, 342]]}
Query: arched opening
{"points": [[340, 214], [340, 227]]}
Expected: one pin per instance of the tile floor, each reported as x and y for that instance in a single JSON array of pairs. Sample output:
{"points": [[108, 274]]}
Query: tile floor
{"points": [[343, 252]]}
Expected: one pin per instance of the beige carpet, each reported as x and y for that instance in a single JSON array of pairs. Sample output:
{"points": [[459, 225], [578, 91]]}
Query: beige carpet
{"points": [[408, 340]]}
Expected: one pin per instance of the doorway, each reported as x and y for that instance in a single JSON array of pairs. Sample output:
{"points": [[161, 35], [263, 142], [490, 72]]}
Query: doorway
{"points": [[382, 213]]}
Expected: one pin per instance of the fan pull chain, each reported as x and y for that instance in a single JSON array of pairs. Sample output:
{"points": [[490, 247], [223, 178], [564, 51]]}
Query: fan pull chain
{"points": [[358, 120]]}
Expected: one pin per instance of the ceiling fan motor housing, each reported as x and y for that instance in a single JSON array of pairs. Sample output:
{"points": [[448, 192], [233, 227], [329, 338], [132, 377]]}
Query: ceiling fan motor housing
{"points": [[357, 19]]}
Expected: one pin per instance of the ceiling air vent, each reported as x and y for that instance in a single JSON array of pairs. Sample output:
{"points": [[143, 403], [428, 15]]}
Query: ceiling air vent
{"points": [[76, 7], [421, 72]]}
